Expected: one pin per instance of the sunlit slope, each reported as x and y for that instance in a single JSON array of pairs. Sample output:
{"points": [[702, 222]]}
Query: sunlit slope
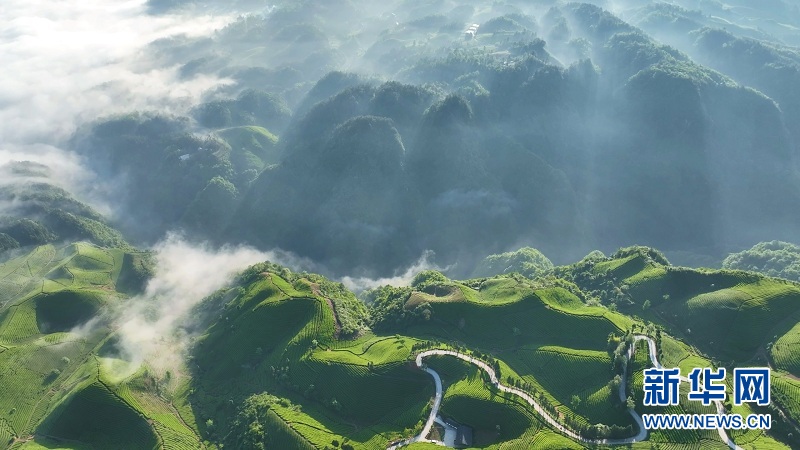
{"points": [[97, 417], [732, 314], [734, 317], [252, 147], [543, 335], [293, 360], [52, 322], [277, 336], [503, 313], [677, 354]]}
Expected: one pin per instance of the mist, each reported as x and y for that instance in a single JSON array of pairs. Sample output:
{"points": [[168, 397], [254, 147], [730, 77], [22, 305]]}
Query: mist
{"points": [[151, 327], [70, 64], [403, 278], [151, 151], [361, 136]]}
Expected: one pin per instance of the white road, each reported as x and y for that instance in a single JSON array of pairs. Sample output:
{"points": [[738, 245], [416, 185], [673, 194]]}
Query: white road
{"points": [[640, 436]]}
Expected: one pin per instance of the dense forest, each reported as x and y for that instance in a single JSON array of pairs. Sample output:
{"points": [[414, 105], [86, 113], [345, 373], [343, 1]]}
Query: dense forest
{"points": [[562, 127], [239, 224]]}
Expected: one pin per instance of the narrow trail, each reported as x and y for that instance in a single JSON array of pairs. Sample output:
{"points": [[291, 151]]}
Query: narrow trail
{"points": [[640, 436]]}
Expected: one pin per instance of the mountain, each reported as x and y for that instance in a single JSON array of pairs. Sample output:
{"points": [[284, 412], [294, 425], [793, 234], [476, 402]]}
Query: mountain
{"points": [[294, 360], [566, 128], [265, 225]]}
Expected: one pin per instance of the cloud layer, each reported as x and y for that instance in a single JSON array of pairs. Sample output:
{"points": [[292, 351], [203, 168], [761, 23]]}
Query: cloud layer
{"points": [[72, 61], [66, 63], [149, 326]]}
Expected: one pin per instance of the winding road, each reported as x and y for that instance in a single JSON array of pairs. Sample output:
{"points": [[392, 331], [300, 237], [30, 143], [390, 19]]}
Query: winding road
{"points": [[640, 436]]}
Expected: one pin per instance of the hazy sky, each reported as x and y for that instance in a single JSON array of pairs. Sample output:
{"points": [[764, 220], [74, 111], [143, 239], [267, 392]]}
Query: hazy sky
{"points": [[67, 62]]}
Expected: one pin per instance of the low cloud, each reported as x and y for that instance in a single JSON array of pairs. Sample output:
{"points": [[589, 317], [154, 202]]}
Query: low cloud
{"points": [[149, 326], [70, 63], [403, 278]]}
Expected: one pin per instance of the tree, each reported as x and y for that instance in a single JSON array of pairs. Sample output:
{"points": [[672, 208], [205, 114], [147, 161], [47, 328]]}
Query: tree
{"points": [[526, 261], [214, 114], [211, 209], [7, 242], [774, 258], [615, 383]]}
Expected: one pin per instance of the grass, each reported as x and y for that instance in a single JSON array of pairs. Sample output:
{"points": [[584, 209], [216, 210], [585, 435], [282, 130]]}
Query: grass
{"points": [[266, 342], [67, 309], [468, 400], [678, 354], [786, 391], [380, 391], [563, 372], [278, 335], [439, 295], [730, 314], [283, 434], [378, 351], [42, 443], [42, 364], [19, 275], [622, 267], [251, 147], [738, 321], [496, 291], [785, 351], [545, 439], [704, 438], [96, 417], [139, 394], [754, 439], [512, 324]]}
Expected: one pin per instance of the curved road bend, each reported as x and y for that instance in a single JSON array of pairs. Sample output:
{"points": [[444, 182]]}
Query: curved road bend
{"points": [[640, 436]]}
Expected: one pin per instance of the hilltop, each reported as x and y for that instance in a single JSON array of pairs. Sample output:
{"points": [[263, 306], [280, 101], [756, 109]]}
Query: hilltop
{"points": [[293, 360], [362, 135], [371, 143]]}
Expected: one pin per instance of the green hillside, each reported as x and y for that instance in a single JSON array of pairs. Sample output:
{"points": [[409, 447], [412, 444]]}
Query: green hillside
{"points": [[731, 314], [356, 224], [293, 360], [53, 321]]}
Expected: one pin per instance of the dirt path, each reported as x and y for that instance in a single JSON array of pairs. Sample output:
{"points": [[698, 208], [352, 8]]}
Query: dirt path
{"points": [[315, 290]]}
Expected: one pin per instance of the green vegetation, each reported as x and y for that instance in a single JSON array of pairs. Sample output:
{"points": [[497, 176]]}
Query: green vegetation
{"points": [[494, 419], [251, 107], [470, 129], [64, 310], [787, 393], [784, 351], [96, 417], [526, 261], [729, 313], [134, 272], [775, 258], [297, 361]]}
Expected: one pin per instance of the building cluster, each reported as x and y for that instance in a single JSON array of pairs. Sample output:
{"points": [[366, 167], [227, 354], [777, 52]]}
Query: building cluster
{"points": [[471, 31]]}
